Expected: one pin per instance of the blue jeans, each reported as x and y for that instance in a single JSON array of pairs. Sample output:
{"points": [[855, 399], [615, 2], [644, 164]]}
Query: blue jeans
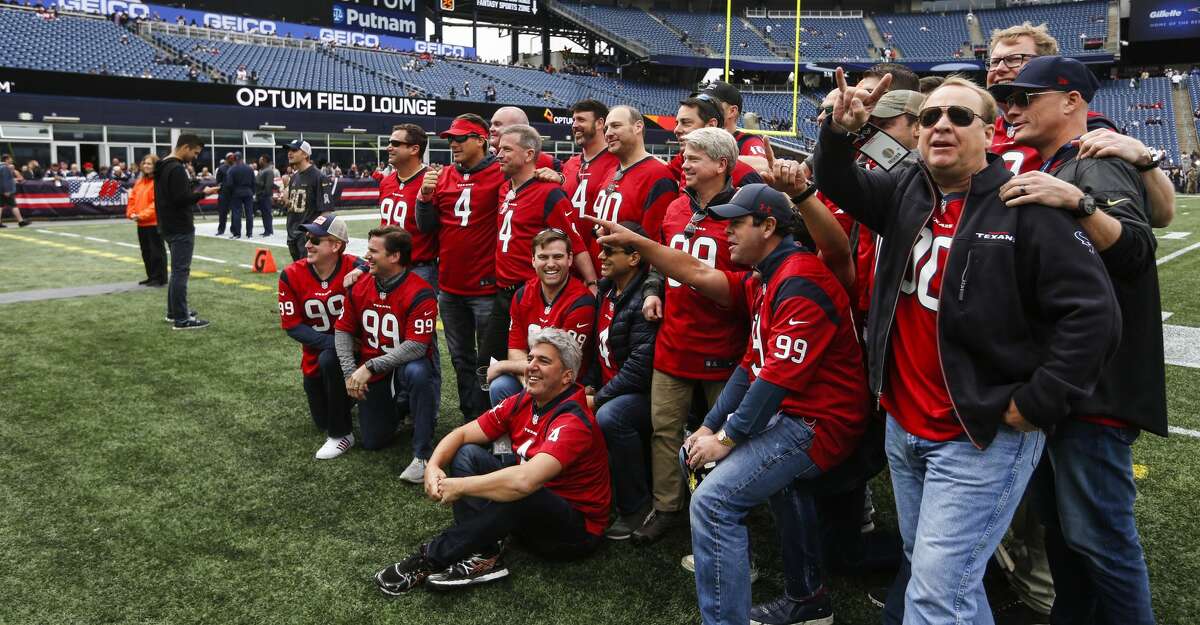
{"points": [[464, 324], [751, 474], [625, 421], [181, 246], [1085, 496], [378, 416], [503, 387], [954, 503]]}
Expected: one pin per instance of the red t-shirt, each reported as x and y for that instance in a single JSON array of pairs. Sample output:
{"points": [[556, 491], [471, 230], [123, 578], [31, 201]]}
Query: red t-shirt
{"points": [[567, 430], [466, 202], [802, 338], [608, 368], [384, 320], [398, 207], [743, 174], [750, 145], [639, 193], [698, 339], [916, 393], [306, 298], [583, 181], [524, 212], [573, 310]]}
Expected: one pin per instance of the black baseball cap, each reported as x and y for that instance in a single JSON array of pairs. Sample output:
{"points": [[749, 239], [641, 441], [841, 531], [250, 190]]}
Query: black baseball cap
{"points": [[1051, 73], [757, 199], [724, 92]]}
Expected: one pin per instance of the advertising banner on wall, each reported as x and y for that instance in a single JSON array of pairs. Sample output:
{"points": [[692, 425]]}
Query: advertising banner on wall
{"points": [[375, 20]]}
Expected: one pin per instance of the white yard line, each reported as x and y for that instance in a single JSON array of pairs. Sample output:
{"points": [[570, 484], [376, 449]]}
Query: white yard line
{"points": [[1177, 254], [1183, 431]]}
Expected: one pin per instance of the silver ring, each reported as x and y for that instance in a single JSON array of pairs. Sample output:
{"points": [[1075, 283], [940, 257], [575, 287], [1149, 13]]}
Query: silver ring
{"points": [[1023, 191]]}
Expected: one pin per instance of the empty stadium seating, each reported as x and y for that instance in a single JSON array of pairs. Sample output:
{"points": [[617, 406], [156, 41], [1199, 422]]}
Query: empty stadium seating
{"points": [[839, 39], [1065, 21], [632, 24], [1119, 103], [710, 29], [944, 34]]}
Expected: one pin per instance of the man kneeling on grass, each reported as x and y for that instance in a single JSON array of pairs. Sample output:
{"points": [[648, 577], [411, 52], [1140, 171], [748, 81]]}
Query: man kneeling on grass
{"points": [[554, 500]]}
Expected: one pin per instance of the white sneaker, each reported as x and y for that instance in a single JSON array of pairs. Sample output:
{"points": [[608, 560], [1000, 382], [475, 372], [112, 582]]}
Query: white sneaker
{"points": [[414, 472], [689, 564], [335, 447]]}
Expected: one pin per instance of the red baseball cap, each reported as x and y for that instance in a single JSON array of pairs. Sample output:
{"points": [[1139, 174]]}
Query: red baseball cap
{"points": [[462, 127]]}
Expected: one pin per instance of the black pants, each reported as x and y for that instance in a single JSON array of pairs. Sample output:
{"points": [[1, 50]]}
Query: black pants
{"points": [[543, 522], [495, 344], [296, 247], [154, 253], [222, 210], [328, 402], [263, 206]]}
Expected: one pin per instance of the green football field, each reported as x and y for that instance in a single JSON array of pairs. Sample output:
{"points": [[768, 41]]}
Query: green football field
{"points": [[152, 476]]}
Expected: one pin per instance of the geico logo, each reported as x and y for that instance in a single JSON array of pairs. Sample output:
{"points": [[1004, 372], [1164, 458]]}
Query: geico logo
{"points": [[443, 49], [106, 7], [240, 24], [352, 39]]}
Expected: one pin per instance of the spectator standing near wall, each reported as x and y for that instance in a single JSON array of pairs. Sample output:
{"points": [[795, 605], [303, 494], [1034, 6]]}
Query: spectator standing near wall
{"points": [[8, 191], [140, 208]]}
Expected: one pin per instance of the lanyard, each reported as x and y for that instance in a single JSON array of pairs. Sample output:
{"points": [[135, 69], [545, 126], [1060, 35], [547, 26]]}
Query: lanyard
{"points": [[1064, 152]]}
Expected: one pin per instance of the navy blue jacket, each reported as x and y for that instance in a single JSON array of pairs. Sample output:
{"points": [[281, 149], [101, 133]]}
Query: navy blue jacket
{"points": [[630, 342], [240, 179], [1026, 312]]}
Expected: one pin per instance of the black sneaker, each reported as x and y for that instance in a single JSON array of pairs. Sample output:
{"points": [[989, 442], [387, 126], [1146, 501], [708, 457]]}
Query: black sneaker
{"points": [[191, 315], [474, 569], [191, 324], [24, 222], [878, 596], [624, 526], [402, 577], [816, 610], [657, 524], [3, 226], [1017, 613]]}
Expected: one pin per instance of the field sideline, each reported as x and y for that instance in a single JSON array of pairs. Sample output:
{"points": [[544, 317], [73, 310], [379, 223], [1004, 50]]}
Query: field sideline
{"points": [[151, 476]]}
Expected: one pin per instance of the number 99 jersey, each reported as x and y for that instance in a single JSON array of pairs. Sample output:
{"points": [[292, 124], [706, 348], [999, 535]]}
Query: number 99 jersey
{"points": [[306, 298], [398, 207], [382, 320]]}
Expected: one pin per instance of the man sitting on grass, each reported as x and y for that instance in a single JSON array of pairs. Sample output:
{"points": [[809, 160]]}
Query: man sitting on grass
{"points": [[554, 499]]}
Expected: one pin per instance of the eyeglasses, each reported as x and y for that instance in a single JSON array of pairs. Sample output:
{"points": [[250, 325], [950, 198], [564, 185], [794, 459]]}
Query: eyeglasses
{"points": [[461, 138], [1012, 61], [398, 144], [689, 230], [959, 116], [1021, 98]]}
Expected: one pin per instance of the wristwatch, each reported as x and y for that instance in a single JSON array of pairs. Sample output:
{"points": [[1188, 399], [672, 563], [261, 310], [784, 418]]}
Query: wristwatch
{"points": [[1086, 206], [805, 194], [1151, 165], [724, 439]]}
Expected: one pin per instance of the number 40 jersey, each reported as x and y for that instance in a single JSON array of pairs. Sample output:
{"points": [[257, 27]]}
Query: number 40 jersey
{"points": [[309, 299], [382, 320]]}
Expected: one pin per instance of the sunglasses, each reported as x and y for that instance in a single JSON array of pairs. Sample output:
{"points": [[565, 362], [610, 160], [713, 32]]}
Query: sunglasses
{"points": [[461, 138], [314, 239], [689, 230], [610, 250], [1021, 98], [959, 116], [398, 144], [1012, 61]]}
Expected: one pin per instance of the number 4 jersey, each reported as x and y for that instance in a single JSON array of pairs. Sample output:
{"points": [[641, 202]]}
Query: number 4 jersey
{"points": [[398, 207], [306, 298], [466, 201], [382, 320]]}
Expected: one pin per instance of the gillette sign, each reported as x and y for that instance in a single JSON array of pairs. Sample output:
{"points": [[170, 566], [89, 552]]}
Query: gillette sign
{"points": [[384, 21], [1164, 19]]}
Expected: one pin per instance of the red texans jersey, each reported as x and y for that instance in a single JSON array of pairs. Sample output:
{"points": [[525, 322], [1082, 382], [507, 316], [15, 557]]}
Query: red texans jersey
{"points": [[584, 179], [750, 145], [608, 368], [384, 320], [698, 339], [916, 393], [864, 256], [572, 310], [802, 338], [466, 202], [546, 160], [306, 298], [565, 429], [1022, 158], [743, 174], [524, 212], [398, 207], [638, 193]]}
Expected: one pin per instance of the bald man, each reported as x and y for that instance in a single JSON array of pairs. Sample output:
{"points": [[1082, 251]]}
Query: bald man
{"points": [[506, 116]]}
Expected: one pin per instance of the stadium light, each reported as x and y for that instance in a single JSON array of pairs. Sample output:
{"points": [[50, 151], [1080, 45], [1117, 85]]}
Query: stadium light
{"points": [[354, 131], [271, 127], [62, 119]]}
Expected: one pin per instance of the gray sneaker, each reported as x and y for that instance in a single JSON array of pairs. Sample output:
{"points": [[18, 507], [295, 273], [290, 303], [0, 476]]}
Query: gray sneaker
{"points": [[625, 525], [689, 564], [414, 472]]}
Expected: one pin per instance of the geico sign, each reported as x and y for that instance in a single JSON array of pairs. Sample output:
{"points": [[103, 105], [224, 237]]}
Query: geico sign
{"points": [[344, 38], [106, 7], [440, 49], [240, 24]]}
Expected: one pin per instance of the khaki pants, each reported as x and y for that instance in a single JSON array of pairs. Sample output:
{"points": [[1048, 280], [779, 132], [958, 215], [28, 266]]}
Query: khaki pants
{"points": [[670, 401], [1028, 570]]}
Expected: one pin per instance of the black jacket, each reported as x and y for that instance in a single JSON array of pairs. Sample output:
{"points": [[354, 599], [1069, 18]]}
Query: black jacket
{"points": [[240, 179], [1133, 387], [1026, 310], [630, 341], [174, 199]]}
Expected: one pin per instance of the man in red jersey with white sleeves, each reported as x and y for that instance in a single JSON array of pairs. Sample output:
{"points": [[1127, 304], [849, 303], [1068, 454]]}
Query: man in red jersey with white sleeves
{"points": [[459, 203]]}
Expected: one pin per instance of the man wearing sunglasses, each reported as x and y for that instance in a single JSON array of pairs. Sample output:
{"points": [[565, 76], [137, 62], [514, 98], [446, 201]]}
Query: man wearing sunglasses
{"points": [[312, 293], [459, 203], [398, 197], [308, 195], [988, 324], [1011, 49], [1085, 493], [793, 409], [642, 187], [699, 344]]}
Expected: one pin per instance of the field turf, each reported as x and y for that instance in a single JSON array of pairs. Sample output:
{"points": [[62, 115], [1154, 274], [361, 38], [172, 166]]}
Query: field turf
{"points": [[151, 476]]}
